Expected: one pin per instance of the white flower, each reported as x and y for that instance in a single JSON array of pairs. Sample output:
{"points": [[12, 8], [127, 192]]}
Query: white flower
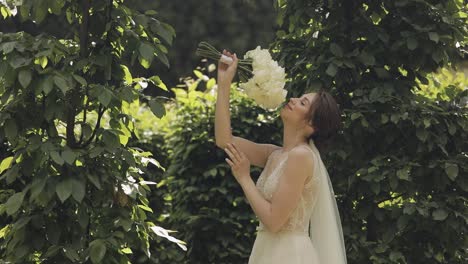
{"points": [[266, 85], [261, 75]]}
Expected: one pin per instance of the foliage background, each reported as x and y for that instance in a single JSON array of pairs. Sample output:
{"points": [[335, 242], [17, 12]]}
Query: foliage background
{"points": [[237, 25], [401, 181], [72, 189]]}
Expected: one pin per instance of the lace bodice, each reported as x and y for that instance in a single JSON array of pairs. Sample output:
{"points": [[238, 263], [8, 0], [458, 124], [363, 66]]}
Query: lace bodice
{"points": [[267, 183]]}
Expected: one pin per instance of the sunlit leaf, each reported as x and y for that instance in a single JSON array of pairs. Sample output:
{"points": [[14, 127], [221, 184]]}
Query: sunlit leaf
{"points": [[6, 164]]}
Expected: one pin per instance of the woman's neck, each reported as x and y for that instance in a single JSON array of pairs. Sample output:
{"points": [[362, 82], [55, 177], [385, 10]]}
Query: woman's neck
{"points": [[292, 137]]}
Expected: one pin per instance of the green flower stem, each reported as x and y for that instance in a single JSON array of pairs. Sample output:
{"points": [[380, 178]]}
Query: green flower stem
{"points": [[208, 51]]}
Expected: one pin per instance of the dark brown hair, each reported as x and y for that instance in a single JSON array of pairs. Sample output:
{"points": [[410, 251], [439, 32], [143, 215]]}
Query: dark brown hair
{"points": [[325, 116]]}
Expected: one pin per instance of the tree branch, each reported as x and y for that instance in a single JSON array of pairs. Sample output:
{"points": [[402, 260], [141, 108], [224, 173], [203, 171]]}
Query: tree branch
{"points": [[84, 116], [98, 124]]}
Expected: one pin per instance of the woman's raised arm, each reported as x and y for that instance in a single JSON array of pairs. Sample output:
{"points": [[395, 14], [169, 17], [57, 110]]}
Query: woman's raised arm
{"points": [[256, 153]]}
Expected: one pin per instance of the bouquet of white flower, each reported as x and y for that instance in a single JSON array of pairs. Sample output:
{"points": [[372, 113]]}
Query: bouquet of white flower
{"points": [[262, 79]]}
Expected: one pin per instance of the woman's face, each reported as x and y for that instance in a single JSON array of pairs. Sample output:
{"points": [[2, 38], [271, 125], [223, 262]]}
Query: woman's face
{"points": [[296, 111]]}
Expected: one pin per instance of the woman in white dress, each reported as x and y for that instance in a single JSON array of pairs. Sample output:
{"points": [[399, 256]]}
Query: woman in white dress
{"points": [[293, 197]]}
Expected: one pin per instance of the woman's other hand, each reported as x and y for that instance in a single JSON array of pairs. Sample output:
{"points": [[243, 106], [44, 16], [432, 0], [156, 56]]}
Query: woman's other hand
{"points": [[239, 163]]}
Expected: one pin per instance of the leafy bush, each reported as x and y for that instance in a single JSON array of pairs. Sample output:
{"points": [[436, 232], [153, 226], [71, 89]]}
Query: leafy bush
{"points": [[72, 189], [399, 168]]}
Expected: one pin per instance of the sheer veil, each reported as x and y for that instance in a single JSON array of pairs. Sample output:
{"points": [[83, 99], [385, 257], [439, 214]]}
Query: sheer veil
{"points": [[325, 228]]}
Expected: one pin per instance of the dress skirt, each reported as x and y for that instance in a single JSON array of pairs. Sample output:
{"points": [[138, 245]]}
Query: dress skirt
{"points": [[284, 247]]}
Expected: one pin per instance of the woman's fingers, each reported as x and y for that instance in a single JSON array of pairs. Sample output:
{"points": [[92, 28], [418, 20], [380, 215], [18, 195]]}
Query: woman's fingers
{"points": [[229, 162], [231, 154], [239, 153], [234, 151]]}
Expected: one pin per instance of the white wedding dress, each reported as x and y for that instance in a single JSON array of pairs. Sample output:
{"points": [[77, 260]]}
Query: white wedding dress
{"points": [[292, 244]]}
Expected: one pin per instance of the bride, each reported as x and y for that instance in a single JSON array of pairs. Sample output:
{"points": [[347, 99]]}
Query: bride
{"points": [[293, 198]]}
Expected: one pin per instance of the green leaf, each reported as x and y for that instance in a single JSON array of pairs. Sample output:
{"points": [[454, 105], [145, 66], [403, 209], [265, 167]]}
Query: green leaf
{"points": [[211, 82], [421, 134], [83, 217], [146, 51], [366, 58], [151, 12], [8, 47], [439, 214], [452, 129], [332, 69], [144, 62], [46, 84], [427, 122], [110, 139], [146, 208], [62, 84], [14, 203], [384, 119], [80, 80], [164, 30], [434, 36], [409, 209], [105, 96], [403, 174], [127, 75], [382, 73], [40, 11], [6, 164], [157, 108], [375, 187], [393, 183], [43, 61], [163, 58], [56, 157], [127, 250], [123, 140], [452, 170], [402, 222], [394, 118], [64, 189], [69, 156], [158, 82], [355, 116], [336, 50], [79, 190], [5, 12], [10, 129], [437, 55], [198, 74], [37, 186], [97, 250], [18, 62], [411, 43], [94, 180], [24, 77], [71, 254], [142, 20]]}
